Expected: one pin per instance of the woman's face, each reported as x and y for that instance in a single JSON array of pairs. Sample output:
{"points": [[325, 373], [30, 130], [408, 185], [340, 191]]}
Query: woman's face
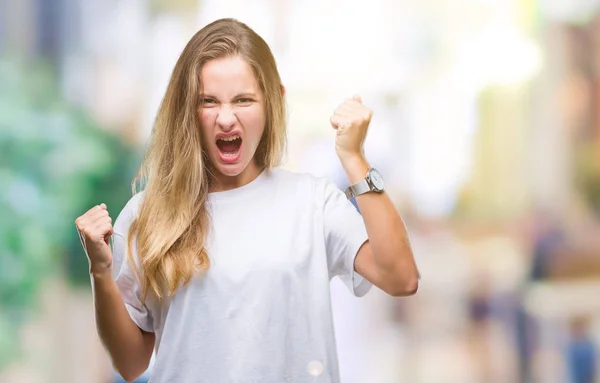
{"points": [[232, 116]]}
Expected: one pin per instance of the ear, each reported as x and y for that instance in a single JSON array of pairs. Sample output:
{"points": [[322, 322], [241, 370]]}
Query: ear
{"points": [[283, 90]]}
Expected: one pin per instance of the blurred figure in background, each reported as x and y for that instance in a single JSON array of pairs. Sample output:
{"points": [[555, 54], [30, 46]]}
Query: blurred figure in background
{"points": [[581, 352]]}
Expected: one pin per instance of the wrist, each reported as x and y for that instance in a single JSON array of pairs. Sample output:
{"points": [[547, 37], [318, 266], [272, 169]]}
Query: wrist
{"points": [[101, 272], [355, 166]]}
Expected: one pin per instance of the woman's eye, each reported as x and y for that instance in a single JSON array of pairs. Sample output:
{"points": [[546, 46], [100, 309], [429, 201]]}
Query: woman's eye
{"points": [[244, 100], [207, 102]]}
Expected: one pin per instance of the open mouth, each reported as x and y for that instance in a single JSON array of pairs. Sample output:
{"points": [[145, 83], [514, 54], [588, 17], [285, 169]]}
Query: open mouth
{"points": [[229, 146]]}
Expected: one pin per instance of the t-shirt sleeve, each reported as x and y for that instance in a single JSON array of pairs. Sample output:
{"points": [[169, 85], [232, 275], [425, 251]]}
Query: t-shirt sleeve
{"points": [[126, 278], [345, 233]]}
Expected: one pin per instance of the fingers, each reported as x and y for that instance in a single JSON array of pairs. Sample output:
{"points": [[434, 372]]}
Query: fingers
{"points": [[350, 113], [96, 221], [91, 214], [353, 108], [345, 110], [338, 121], [101, 222], [92, 219], [109, 232]]}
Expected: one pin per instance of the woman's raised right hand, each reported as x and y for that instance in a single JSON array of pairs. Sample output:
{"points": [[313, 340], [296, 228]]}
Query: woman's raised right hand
{"points": [[95, 229]]}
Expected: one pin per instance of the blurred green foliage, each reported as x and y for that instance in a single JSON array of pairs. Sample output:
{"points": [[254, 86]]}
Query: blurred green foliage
{"points": [[55, 163]]}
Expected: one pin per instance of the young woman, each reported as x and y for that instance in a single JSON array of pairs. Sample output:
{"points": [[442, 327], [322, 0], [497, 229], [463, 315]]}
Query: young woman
{"points": [[227, 259]]}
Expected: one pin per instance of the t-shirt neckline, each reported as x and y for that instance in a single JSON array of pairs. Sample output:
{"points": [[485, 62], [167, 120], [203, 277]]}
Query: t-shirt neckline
{"points": [[249, 188]]}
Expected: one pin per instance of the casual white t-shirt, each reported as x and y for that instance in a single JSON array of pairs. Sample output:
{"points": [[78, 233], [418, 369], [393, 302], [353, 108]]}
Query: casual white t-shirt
{"points": [[262, 312]]}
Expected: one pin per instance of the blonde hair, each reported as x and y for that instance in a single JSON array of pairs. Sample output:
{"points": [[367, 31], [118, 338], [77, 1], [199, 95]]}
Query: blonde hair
{"points": [[173, 221]]}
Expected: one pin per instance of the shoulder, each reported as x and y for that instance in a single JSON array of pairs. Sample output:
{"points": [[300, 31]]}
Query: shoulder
{"points": [[128, 214]]}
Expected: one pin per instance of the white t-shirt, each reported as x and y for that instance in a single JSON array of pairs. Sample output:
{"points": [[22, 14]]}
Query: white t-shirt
{"points": [[262, 312]]}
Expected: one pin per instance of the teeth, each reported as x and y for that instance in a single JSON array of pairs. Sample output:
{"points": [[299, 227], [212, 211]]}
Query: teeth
{"points": [[229, 154], [231, 138]]}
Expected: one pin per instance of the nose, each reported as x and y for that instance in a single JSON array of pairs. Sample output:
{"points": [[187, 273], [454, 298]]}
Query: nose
{"points": [[226, 118]]}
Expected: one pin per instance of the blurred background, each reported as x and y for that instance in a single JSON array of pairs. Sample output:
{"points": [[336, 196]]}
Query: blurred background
{"points": [[486, 129]]}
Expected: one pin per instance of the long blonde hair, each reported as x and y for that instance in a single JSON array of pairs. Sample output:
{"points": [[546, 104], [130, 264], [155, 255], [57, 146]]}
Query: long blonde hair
{"points": [[173, 220]]}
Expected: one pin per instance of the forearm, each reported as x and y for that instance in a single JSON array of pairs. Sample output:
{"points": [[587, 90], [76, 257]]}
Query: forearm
{"points": [[129, 348], [387, 233]]}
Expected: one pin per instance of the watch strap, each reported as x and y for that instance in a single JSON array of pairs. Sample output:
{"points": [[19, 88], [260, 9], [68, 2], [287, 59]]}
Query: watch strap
{"points": [[357, 189]]}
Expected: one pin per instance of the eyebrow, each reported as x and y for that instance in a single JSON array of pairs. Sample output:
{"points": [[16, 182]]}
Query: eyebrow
{"points": [[250, 95]]}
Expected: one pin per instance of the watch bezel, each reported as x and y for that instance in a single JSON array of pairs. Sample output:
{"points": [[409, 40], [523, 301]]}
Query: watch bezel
{"points": [[376, 181]]}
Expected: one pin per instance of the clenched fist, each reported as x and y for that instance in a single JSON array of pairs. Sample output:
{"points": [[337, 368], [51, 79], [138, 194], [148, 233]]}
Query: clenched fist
{"points": [[95, 229], [351, 119]]}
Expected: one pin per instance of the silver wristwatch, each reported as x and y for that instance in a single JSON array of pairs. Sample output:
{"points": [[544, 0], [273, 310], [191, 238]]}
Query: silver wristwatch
{"points": [[373, 182]]}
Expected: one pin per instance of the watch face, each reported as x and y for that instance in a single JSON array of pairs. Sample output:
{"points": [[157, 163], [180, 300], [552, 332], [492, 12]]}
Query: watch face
{"points": [[376, 179]]}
